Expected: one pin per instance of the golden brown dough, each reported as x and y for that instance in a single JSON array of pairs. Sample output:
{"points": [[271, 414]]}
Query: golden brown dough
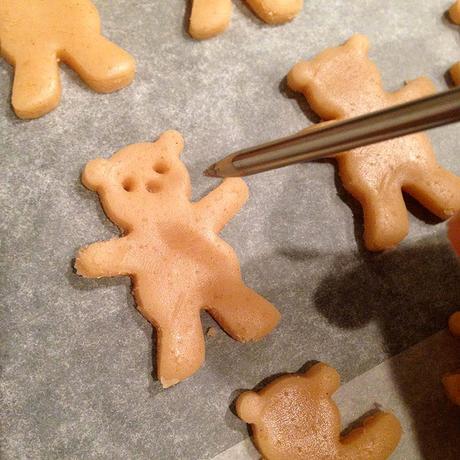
{"points": [[295, 418], [451, 381], [36, 34], [211, 17], [342, 83], [454, 14], [171, 250]]}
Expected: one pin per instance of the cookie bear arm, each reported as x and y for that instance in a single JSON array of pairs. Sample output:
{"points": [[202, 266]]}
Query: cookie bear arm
{"points": [[104, 258], [220, 205], [376, 439], [414, 89], [101, 64]]}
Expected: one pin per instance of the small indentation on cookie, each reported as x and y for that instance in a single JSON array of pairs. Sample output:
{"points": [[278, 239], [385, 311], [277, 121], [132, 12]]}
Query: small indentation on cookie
{"points": [[128, 184], [153, 186], [160, 168]]}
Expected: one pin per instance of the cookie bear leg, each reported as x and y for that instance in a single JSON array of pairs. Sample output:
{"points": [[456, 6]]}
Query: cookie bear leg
{"points": [[180, 347], [209, 18], [244, 314], [36, 87], [377, 438], [438, 190], [385, 219], [276, 11], [101, 64]]}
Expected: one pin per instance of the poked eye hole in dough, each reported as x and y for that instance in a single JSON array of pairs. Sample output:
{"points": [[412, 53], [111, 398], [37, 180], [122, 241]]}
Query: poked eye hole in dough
{"points": [[128, 184], [160, 167]]}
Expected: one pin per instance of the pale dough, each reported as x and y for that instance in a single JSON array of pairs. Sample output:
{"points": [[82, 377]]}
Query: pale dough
{"points": [[36, 34], [171, 249], [343, 83], [295, 418]]}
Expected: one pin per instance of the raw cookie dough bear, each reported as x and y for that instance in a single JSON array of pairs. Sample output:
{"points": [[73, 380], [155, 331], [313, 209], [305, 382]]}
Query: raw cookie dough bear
{"points": [[171, 250], [454, 14], [211, 17], [342, 83], [36, 34], [295, 418], [451, 381]]}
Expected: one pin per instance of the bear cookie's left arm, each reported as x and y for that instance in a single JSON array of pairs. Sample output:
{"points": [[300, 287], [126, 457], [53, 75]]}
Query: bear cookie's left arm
{"points": [[105, 258], [220, 205]]}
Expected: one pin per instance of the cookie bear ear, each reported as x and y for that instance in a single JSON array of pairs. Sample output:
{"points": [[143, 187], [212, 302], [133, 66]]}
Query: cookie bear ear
{"points": [[299, 76], [327, 378], [249, 406], [94, 172], [172, 141], [360, 43]]}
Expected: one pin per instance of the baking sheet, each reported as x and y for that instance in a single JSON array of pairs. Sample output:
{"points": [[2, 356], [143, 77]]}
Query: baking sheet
{"points": [[77, 357]]}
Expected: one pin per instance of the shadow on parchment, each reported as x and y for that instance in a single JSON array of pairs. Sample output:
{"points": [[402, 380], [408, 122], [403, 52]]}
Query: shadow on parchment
{"points": [[409, 293]]}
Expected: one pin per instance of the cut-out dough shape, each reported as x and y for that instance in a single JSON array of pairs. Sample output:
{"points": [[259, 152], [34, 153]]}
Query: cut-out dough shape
{"points": [[451, 381], [36, 34], [454, 232], [171, 250], [454, 14], [342, 83], [211, 17], [295, 418]]}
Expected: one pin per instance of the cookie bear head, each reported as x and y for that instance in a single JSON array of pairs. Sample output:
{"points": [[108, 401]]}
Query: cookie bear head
{"points": [[286, 414], [339, 82], [140, 179]]}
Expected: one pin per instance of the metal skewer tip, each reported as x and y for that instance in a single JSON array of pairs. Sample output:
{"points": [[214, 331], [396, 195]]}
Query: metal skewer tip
{"points": [[211, 172], [343, 136]]}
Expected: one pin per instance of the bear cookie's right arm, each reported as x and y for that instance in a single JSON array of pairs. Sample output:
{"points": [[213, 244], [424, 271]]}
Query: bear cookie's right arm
{"points": [[105, 258]]}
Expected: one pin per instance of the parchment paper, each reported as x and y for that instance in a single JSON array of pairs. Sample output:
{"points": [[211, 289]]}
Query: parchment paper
{"points": [[77, 357]]}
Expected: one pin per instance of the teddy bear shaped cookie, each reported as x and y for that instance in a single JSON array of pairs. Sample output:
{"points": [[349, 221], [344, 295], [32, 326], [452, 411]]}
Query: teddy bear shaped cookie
{"points": [[36, 34], [454, 14], [342, 83], [171, 250], [295, 418], [211, 17]]}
